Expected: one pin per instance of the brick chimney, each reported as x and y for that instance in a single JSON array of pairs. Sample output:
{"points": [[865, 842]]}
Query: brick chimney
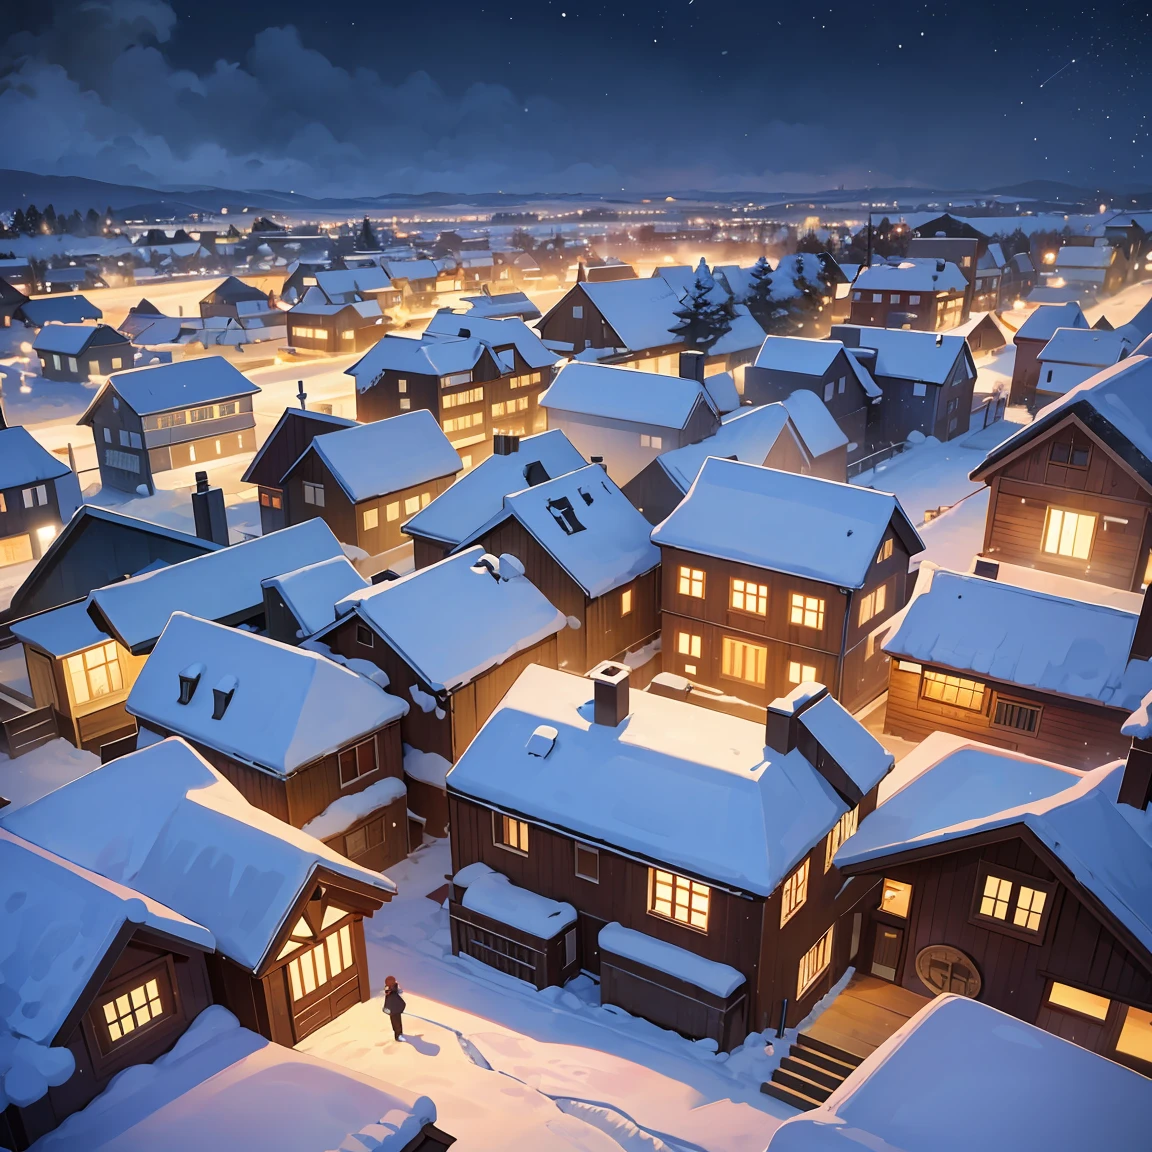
{"points": [[610, 701], [505, 444], [208, 511]]}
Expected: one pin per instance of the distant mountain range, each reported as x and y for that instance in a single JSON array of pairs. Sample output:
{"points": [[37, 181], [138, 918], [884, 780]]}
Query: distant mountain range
{"points": [[19, 189]]}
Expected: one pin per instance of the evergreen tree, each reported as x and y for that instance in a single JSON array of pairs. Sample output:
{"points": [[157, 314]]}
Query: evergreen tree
{"points": [[809, 242], [366, 238], [33, 221], [701, 320], [522, 240], [18, 224], [75, 225], [49, 225], [108, 217], [92, 222], [759, 301]]}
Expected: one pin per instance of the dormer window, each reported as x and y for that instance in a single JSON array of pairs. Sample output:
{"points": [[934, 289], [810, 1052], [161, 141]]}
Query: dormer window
{"points": [[564, 515], [222, 696], [189, 679]]}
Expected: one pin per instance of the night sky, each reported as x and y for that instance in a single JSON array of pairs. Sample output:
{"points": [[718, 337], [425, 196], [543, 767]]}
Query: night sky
{"points": [[567, 95]]}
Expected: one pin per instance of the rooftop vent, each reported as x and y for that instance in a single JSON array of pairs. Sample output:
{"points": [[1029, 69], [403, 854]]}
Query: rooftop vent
{"points": [[222, 696], [610, 701], [488, 563], [189, 678], [505, 444], [940, 265], [939, 339], [535, 473], [541, 741]]}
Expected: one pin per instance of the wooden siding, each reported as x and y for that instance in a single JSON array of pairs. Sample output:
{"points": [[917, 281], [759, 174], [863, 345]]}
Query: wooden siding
{"points": [[1081, 735]]}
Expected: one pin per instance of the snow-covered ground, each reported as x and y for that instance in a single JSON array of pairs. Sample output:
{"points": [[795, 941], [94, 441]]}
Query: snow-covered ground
{"points": [[513, 1068]]}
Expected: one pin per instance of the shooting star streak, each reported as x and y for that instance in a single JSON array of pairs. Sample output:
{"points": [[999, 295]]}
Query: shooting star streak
{"points": [[1057, 72]]}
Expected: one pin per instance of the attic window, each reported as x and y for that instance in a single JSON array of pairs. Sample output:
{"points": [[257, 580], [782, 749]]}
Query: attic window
{"points": [[542, 740], [564, 515], [222, 696], [189, 679]]}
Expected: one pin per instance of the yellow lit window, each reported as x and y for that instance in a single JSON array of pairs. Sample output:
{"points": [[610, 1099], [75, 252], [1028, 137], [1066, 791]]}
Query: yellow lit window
{"points": [[814, 963], [895, 898], [677, 898], [687, 644], [1029, 908], [994, 899], [743, 661], [392, 511], [873, 604], [807, 611], [952, 690], [510, 833], [132, 1010], [626, 602], [748, 596], [800, 673], [1069, 533], [845, 827], [885, 551], [315, 967], [95, 672], [1136, 1035], [371, 518], [793, 893], [411, 505], [1077, 1000], [692, 582]]}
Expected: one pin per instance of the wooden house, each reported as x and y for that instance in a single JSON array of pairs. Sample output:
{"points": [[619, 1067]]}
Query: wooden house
{"points": [[315, 325], [1094, 270], [798, 435], [83, 657], [626, 417], [229, 296], [12, 299], [771, 579], [59, 310], [1071, 493], [1021, 669], [281, 912], [1073, 355], [516, 463], [308, 740], [1018, 883], [350, 284], [588, 550], [500, 306], [984, 332], [365, 481], [1030, 340], [422, 282], [282, 447], [479, 377], [300, 603], [682, 856], [926, 380], [454, 668], [38, 495], [74, 352], [168, 416], [963, 253], [90, 1003], [924, 295], [788, 364]]}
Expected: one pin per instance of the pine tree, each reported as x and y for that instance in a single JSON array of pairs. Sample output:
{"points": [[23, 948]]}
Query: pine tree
{"points": [[701, 320], [92, 222], [49, 225], [33, 221], [366, 238], [18, 224], [75, 225], [759, 299]]}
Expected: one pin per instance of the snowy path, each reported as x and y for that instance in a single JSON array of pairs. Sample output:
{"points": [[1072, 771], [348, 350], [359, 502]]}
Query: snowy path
{"points": [[512, 1068]]}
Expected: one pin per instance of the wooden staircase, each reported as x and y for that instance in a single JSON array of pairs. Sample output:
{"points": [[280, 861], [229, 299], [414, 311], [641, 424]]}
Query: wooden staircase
{"points": [[809, 1074]]}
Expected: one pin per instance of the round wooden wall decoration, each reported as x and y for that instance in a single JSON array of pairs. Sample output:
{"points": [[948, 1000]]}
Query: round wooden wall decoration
{"points": [[942, 968]]}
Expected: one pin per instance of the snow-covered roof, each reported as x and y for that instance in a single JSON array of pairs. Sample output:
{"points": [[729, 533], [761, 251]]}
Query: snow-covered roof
{"points": [[181, 384], [370, 460], [478, 495], [422, 356], [411, 269], [923, 275], [802, 525], [494, 331], [816, 425], [318, 306], [1022, 637], [70, 339], [57, 923], [165, 823], [42, 770], [60, 631], [60, 310], [798, 354], [721, 386], [501, 304], [683, 786], [639, 311], [719, 979], [288, 706], [340, 282], [493, 895], [311, 592], [629, 394], [24, 460], [607, 545], [961, 1075], [1087, 346], [254, 474], [219, 585], [1043, 322], [906, 354], [492, 617], [1099, 256], [744, 332]]}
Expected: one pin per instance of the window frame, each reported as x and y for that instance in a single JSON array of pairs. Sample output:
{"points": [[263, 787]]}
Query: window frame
{"points": [[109, 663], [687, 578], [803, 608], [822, 947], [1053, 1006], [501, 823], [1017, 880], [626, 602], [838, 833], [354, 750], [591, 850], [930, 675], [1050, 513], [1008, 702], [311, 490], [759, 653], [794, 891], [908, 886], [678, 880], [108, 1051], [759, 595]]}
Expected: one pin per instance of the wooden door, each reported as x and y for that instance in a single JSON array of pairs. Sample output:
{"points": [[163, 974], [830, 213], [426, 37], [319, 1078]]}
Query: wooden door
{"points": [[886, 951], [589, 933]]}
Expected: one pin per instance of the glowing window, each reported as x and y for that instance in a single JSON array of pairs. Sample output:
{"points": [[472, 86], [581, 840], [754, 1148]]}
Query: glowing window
{"points": [[1136, 1035], [994, 898], [748, 596], [626, 602], [371, 518], [807, 611], [885, 551], [846, 826], [688, 644], [895, 898], [411, 505], [320, 964], [873, 604], [793, 893], [95, 672], [1077, 1000], [677, 898], [510, 833], [1069, 533], [814, 963], [1029, 908], [952, 690], [692, 582], [743, 661], [133, 1009], [800, 673]]}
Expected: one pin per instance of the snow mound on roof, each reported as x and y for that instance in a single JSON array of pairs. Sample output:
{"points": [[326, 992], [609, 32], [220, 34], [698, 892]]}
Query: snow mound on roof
{"points": [[311, 592], [492, 894], [719, 979], [629, 394], [23, 460], [816, 425], [749, 435]]}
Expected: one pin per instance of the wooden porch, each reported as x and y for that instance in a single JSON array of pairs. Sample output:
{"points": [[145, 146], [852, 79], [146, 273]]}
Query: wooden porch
{"points": [[851, 1028]]}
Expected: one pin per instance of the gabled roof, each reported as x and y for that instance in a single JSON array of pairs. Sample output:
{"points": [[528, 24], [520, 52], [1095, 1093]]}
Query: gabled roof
{"points": [[1089, 347], [60, 631], [1019, 636], [1085, 256], [906, 354], [73, 339], [501, 304], [816, 425], [494, 616], [223, 585], [682, 786], [419, 355], [163, 821], [639, 311], [603, 543], [288, 707], [24, 460], [495, 332], [59, 310], [311, 593], [259, 473], [1043, 322], [182, 384], [628, 394], [479, 495], [802, 525], [798, 354], [411, 269], [232, 290], [385, 456], [343, 282], [912, 276], [1115, 404]]}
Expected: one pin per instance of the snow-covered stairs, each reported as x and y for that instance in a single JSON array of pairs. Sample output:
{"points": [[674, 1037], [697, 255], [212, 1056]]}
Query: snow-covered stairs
{"points": [[810, 1072]]}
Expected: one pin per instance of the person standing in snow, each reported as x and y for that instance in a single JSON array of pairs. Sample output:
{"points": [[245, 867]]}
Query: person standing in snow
{"points": [[394, 1006]]}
